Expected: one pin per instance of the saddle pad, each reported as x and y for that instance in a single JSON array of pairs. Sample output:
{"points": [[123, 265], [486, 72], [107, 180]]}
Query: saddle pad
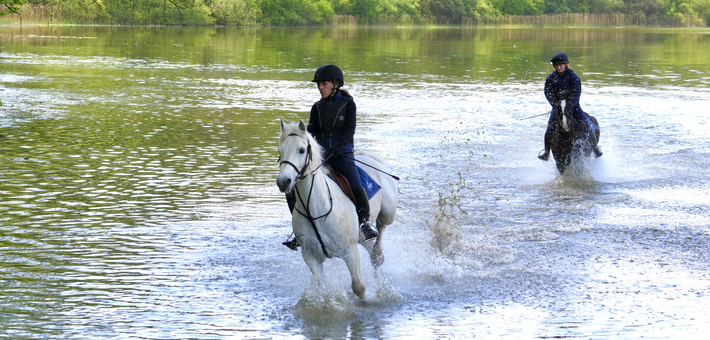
{"points": [[371, 187]]}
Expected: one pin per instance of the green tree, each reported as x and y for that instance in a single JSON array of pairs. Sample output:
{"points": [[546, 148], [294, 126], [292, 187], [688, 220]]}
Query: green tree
{"points": [[481, 8], [605, 6], [453, 10], [643, 7], [156, 12], [234, 12], [399, 9], [294, 12], [557, 7], [701, 8], [519, 7], [366, 10]]}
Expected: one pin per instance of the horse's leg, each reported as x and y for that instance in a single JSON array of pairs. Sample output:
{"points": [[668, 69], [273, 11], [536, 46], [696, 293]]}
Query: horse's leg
{"points": [[561, 167], [376, 257], [352, 260], [562, 160], [314, 264]]}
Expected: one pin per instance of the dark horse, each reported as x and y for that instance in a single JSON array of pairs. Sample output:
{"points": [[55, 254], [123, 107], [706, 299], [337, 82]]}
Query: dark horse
{"points": [[568, 139]]}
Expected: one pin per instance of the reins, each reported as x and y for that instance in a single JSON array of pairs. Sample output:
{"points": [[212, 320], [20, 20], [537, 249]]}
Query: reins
{"points": [[542, 114], [363, 163]]}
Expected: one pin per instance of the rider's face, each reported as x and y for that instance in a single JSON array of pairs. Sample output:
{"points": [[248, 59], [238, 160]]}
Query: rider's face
{"points": [[326, 88], [561, 67]]}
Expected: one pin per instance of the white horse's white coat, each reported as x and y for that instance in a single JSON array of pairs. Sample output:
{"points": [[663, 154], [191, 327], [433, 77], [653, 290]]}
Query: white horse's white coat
{"points": [[339, 230]]}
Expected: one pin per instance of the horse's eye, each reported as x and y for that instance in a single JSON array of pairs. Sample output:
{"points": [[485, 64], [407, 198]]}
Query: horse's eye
{"points": [[302, 150]]}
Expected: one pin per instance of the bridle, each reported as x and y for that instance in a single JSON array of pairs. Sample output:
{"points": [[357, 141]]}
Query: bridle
{"points": [[309, 157], [563, 113], [301, 175]]}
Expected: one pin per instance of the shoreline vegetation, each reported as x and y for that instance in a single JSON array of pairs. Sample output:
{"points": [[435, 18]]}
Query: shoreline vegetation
{"points": [[347, 13]]}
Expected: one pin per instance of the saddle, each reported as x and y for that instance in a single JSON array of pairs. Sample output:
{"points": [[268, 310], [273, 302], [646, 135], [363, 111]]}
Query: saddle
{"points": [[342, 183]]}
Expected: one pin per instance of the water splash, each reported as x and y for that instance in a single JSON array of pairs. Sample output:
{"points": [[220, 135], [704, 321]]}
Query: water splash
{"points": [[444, 219], [328, 300]]}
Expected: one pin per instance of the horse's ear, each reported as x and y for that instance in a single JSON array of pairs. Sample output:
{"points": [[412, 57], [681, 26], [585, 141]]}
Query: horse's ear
{"points": [[302, 125], [282, 125]]}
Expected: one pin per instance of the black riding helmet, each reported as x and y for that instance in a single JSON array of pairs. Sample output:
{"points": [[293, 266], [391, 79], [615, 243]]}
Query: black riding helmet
{"points": [[329, 72], [559, 58]]}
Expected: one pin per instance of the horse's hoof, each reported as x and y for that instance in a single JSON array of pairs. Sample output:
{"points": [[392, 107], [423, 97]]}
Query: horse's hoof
{"points": [[377, 261]]}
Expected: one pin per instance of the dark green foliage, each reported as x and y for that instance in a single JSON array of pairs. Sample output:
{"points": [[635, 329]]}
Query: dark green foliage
{"points": [[319, 12], [136, 12], [365, 9]]}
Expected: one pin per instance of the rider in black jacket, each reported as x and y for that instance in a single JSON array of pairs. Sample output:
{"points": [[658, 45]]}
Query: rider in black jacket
{"points": [[332, 123], [564, 81]]}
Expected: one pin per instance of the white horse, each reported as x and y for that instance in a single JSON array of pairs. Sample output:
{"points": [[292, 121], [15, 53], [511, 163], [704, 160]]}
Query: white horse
{"points": [[325, 221]]}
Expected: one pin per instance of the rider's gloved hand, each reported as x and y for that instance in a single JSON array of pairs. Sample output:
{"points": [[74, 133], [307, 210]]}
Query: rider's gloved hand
{"points": [[334, 149]]}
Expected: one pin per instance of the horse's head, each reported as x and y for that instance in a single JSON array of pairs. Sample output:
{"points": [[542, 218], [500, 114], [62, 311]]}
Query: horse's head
{"points": [[563, 107], [298, 154]]}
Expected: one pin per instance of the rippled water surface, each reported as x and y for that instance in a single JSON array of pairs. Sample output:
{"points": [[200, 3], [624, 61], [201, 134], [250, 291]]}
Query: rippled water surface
{"points": [[138, 196]]}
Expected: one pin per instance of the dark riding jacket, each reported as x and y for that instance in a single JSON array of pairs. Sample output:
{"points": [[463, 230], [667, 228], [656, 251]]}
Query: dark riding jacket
{"points": [[332, 122], [570, 83]]}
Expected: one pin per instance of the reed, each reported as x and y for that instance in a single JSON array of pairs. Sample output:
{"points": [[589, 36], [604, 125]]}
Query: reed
{"points": [[588, 20], [343, 20], [35, 14]]}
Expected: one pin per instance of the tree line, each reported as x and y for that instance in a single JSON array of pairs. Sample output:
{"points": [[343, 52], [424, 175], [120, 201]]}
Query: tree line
{"points": [[329, 12]]}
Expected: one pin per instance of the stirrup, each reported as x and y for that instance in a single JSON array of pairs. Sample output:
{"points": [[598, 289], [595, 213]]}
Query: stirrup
{"points": [[369, 231], [544, 155], [292, 244]]}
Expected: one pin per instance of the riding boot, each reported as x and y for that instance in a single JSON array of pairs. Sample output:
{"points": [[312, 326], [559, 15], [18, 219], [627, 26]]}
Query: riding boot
{"points": [[544, 155], [595, 148], [597, 151], [291, 201], [369, 231]]}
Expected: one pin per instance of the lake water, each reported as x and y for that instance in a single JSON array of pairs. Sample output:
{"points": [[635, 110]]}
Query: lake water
{"points": [[138, 196]]}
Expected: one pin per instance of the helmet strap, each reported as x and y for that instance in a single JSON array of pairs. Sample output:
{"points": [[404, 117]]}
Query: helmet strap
{"points": [[335, 89]]}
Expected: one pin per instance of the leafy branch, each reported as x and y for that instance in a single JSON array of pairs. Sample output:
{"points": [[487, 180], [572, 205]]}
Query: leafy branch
{"points": [[11, 8]]}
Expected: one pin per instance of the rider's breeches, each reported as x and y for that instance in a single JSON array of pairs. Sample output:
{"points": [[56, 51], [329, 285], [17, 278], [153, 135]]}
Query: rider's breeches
{"points": [[345, 165]]}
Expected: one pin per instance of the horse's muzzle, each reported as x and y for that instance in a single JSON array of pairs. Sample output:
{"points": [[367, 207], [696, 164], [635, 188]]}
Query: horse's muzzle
{"points": [[284, 183]]}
